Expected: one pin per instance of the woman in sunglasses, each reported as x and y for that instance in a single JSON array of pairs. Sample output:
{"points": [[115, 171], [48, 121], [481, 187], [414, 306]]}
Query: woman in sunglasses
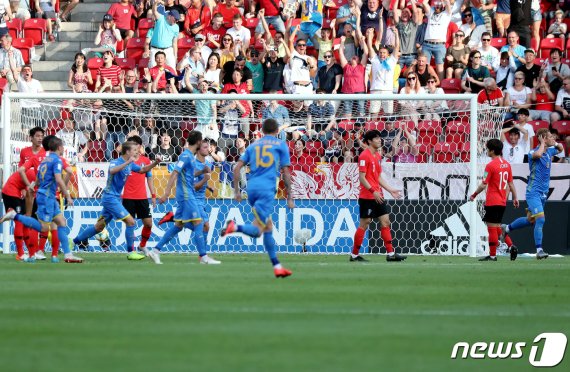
{"points": [[412, 108], [457, 56], [474, 74]]}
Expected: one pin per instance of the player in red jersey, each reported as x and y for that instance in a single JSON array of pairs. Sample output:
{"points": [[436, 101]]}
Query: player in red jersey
{"points": [[13, 194], [497, 179], [371, 201], [135, 198], [36, 137], [34, 163]]}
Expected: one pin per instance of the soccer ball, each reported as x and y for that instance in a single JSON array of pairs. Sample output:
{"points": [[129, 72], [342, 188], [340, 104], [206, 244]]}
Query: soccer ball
{"points": [[302, 236], [102, 236]]}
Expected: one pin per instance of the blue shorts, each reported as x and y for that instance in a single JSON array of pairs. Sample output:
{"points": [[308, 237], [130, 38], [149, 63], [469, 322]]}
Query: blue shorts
{"points": [[187, 211], [536, 204], [261, 202], [203, 210], [48, 208], [113, 209]]}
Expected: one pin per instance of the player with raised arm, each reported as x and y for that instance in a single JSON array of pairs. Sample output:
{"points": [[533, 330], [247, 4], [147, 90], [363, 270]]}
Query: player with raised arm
{"points": [[49, 179], [119, 170], [540, 163], [201, 184], [371, 201], [497, 180], [135, 198], [187, 211], [265, 158]]}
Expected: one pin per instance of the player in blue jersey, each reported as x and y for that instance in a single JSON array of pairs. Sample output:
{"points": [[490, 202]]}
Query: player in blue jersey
{"points": [[540, 163], [49, 179], [201, 183], [119, 170], [265, 158], [187, 211]]}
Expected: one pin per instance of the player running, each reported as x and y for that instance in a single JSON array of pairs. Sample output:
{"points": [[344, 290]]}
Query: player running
{"points": [[119, 170], [135, 199], [497, 179], [265, 158], [540, 163], [187, 211], [49, 179], [371, 201]]}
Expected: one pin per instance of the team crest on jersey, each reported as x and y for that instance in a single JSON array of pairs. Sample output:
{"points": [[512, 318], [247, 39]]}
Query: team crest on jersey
{"points": [[362, 163]]}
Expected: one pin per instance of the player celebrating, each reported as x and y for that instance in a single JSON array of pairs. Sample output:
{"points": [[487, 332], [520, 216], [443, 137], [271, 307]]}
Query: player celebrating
{"points": [[265, 157], [371, 201], [135, 198], [539, 162], [187, 212], [49, 178], [498, 176], [119, 171]]}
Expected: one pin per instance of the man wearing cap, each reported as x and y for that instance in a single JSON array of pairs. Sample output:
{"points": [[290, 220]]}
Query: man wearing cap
{"points": [[530, 70], [171, 5], [240, 34], [200, 43], [164, 36], [256, 69], [193, 66]]}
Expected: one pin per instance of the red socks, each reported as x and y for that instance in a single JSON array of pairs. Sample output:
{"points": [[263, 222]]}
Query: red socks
{"points": [[54, 243], [493, 239], [387, 238], [358, 239], [146, 231], [19, 237]]}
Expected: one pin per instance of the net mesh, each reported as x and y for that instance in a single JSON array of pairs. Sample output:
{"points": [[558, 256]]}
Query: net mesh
{"points": [[425, 152]]}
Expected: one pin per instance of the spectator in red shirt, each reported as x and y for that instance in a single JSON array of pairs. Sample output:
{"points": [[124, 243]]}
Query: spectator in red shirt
{"points": [[543, 98], [198, 18], [109, 75], [491, 95], [159, 71], [122, 13], [228, 10], [354, 76], [215, 31]]}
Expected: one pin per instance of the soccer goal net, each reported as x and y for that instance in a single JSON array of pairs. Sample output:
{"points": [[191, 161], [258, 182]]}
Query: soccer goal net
{"points": [[433, 151]]}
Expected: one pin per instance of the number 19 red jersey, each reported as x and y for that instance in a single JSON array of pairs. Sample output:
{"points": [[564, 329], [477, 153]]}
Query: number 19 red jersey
{"points": [[497, 176]]}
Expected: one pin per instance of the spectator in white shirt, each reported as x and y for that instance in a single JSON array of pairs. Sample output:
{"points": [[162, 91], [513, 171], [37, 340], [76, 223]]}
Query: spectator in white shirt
{"points": [[31, 109], [240, 34], [489, 55], [514, 146], [73, 139]]}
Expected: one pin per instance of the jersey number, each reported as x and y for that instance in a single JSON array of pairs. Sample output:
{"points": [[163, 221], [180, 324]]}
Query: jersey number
{"points": [[503, 180], [42, 171], [263, 157]]}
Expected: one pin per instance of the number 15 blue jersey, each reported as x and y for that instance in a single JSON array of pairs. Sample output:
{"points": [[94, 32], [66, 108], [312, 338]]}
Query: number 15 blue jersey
{"points": [[265, 158]]}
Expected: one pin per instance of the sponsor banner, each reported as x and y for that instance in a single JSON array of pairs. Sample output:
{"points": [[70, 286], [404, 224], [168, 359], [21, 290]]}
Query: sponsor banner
{"points": [[91, 179]]}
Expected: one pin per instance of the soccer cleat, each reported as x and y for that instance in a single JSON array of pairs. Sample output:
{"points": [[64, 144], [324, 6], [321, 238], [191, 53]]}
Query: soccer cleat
{"points": [[9, 216], [70, 258], [54, 259], [40, 256], [135, 256], [358, 259], [229, 228], [282, 272], [29, 260], [155, 256], [514, 252], [488, 258], [168, 217], [207, 260], [395, 258], [23, 257], [503, 232], [541, 255]]}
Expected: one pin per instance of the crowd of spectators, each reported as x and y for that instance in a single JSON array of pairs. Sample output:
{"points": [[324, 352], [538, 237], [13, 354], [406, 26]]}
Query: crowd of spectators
{"points": [[492, 48]]}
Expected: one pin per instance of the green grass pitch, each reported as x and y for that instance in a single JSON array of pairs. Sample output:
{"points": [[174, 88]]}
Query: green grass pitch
{"points": [[109, 314]]}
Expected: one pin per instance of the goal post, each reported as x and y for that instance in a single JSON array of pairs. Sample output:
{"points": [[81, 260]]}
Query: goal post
{"points": [[442, 169]]}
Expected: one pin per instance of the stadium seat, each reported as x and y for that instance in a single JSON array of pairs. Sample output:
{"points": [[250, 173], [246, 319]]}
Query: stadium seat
{"points": [[145, 24], [120, 46], [3, 83], [15, 27], [534, 44], [54, 125], [498, 42], [315, 148], [96, 151], [143, 63], [184, 45], [251, 24], [375, 124], [547, 44], [126, 63], [346, 124], [424, 151], [456, 131], [566, 61], [135, 48], [451, 86], [568, 46], [562, 126], [35, 29], [445, 152], [537, 124], [25, 46], [539, 61], [429, 132]]}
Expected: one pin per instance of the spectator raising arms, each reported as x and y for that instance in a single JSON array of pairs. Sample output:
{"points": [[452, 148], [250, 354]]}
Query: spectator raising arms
{"points": [[354, 76], [106, 39]]}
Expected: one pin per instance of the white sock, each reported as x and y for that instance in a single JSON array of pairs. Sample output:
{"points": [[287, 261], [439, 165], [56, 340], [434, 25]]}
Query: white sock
{"points": [[278, 266], [353, 255], [538, 250], [391, 253]]}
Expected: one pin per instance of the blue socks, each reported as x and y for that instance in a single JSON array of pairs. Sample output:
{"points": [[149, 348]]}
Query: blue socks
{"points": [[249, 230], [29, 222], [519, 223], [86, 234], [63, 239], [199, 239], [170, 233], [130, 238], [538, 224], [269, 244]]}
